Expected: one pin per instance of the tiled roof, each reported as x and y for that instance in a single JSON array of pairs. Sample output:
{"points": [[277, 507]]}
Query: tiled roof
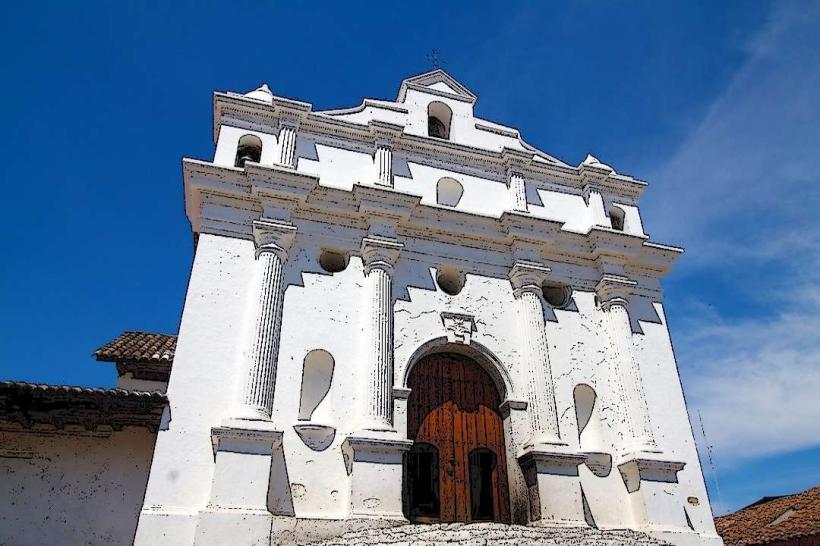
{"points": [[30, 404], [779, 519], [138, 347]]}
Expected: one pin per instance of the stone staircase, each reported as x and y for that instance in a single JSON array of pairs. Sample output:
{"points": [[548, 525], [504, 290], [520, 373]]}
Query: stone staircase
{"points": [[486, 534]]}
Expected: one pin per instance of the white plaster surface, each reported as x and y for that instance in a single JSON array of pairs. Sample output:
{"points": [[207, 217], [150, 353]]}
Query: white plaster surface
{"points": [[72, 488], [317, 475]]}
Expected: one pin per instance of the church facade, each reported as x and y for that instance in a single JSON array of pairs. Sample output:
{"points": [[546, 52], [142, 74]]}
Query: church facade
{"points": [[403, 312]]}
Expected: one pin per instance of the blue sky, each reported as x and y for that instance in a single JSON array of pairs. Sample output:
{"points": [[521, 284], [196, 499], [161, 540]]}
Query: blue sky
{"points": [[717, 105]]}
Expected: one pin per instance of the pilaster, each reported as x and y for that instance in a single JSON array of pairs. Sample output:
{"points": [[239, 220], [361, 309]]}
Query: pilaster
{"points": [[613, 296], [288, 127], [516, 164], [379, 256], [527, 278]]}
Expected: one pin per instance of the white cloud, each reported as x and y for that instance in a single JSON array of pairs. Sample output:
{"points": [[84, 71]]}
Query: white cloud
{"points": [[742, 193]]}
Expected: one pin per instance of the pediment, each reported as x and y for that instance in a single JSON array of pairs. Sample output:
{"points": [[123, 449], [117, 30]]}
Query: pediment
{"points": [[437, 82]]}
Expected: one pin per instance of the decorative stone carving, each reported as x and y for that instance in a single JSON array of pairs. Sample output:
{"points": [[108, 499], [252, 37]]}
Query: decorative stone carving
{"points": [[379, 256], [526, 278], [459, 327]]}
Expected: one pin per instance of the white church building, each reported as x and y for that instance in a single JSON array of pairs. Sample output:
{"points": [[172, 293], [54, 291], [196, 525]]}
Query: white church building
{"points": [[400, 312]]}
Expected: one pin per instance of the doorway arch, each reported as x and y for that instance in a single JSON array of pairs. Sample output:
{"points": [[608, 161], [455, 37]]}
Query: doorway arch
{"points": [[456, 469]]}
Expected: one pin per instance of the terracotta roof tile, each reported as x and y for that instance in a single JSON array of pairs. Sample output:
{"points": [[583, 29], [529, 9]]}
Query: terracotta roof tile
{"points": [[138, 347], [30, 404], [781, 518]]}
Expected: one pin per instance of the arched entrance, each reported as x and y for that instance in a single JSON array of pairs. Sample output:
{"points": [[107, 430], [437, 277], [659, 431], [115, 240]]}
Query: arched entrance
{"points": [[456, 469]]}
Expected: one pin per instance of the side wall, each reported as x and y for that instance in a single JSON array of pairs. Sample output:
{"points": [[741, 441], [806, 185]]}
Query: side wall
{"points": [[72, 488]]}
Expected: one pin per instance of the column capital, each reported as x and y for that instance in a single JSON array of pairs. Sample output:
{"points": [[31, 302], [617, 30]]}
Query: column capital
{"points": [[385, 133], [515, 160], [382, 142], [527, 276], [380, 253], [288, 122], [614, 290], [273, 236]]}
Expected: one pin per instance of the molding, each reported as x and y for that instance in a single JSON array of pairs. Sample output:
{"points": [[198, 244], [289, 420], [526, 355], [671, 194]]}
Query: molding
{"points": [[401, 393], [225, 200], [559, 462], [508, 406], [238, 110], [637, 469], [246, 436]]}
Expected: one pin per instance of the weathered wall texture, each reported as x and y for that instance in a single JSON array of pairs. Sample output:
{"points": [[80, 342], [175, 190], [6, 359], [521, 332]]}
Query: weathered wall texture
{"points": [[331, 196], [72, 488]]}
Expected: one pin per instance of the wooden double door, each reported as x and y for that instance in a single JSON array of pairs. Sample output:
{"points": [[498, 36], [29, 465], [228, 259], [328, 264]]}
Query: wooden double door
{"points": [[456, 469]]}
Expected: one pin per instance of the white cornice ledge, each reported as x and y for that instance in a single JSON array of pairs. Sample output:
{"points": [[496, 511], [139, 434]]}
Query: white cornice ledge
{"points": [[235, 196]]}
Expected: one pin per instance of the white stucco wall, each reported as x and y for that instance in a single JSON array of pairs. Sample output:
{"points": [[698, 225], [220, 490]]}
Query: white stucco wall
{"points": [[72, 488], [329, 312]]}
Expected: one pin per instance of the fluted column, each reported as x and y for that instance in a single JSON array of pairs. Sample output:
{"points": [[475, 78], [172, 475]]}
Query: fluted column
{"points": [[518, 187], [379, 256], [273, 241], [595, 206], [287, 142], [613, 291], [383, 160], [527, 278]]}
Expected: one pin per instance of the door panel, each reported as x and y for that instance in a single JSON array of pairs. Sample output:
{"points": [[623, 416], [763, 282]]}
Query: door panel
{"points": [[453, 406]]}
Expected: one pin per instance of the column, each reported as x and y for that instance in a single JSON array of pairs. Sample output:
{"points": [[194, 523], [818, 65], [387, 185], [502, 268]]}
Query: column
{"points": [[248, 486], [518, 187], [273, 241], [613, 291], [595, 206], [379, 256], [384, 163], [287, 142], [527, 278]]}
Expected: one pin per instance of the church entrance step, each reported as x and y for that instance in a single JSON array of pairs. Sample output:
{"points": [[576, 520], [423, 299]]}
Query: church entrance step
{"points": [[487, 534]]}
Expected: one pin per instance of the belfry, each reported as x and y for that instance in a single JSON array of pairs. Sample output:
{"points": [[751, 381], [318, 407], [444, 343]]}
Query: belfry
{"points": [[401, 313]]}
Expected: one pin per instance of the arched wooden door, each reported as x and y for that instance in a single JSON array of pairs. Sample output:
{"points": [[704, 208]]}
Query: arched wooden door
{"points": [[456, 470]]}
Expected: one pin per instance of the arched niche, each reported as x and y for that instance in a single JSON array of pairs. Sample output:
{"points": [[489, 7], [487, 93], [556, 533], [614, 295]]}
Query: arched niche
{"points": [[249, 148], [617, 217], [317, 375], [449, 192], [588, 417], [439, 120]]}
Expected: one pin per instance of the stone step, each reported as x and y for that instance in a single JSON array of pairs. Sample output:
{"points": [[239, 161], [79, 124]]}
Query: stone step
{"points": [[486, 534]]}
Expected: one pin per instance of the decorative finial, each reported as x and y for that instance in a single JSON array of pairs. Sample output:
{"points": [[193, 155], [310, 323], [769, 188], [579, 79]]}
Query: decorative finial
{"points": [[593, 161], [262, 93], [434, 58]]}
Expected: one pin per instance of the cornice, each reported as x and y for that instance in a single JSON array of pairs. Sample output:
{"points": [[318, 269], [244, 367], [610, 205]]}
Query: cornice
{"points": [[250, 112], [225, 201]]}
